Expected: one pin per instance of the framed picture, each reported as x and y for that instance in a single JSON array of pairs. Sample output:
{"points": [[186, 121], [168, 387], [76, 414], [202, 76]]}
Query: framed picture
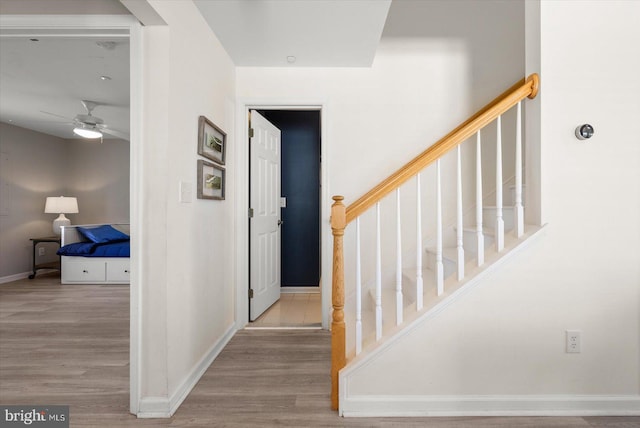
{"points": [[211, 181], [212, 141]]}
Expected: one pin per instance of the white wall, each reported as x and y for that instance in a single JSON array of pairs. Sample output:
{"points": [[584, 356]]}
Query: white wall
{"points": [[186, 248], [506, 340]]}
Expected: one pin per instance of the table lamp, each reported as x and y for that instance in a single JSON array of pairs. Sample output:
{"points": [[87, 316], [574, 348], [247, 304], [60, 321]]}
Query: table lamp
{"points": [[61, 205]]}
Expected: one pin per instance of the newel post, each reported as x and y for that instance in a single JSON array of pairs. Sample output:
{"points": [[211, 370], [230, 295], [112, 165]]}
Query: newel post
{"points": [[338, 345]]}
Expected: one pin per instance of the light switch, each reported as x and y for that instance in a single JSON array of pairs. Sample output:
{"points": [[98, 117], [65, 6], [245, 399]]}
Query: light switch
{"points": [[283, 202], [186, 192]]}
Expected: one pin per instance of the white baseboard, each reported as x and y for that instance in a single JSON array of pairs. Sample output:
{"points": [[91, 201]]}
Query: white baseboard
{"points": [[154, 407], [491, 405], [15, 277], [161, 407], [190, 381]]}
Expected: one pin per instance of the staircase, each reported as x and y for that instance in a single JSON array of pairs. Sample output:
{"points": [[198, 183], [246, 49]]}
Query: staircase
{"points": [[441, 249]]}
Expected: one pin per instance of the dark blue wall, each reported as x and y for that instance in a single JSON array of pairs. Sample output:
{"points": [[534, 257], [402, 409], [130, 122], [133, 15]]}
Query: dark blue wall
{"points": [[300, 175]]}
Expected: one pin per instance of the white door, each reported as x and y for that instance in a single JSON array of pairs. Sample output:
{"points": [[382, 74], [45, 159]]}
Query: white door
{"points": [[264, 203]]}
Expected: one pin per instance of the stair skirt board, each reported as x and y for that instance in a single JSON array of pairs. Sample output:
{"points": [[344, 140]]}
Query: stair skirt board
{"points": [[411, 322], [490, 405]]}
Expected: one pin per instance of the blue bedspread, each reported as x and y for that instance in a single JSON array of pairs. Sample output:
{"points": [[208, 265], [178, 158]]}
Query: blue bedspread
{"points": [[92, 249]]}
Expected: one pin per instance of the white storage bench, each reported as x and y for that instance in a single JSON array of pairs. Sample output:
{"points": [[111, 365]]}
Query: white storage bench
{"points": [[93, 270]]}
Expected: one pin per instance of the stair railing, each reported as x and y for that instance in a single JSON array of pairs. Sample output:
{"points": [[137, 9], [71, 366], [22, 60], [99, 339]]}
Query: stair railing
{"points": [[341, 216]]}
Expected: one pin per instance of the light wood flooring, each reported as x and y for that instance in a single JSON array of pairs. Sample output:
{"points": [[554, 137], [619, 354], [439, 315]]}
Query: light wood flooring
{"points": [[68, 345], [292, 310]]}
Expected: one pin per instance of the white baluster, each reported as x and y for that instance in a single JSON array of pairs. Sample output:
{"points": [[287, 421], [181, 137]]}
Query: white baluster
{"points": [[459, 237], [499, 221], [518, 209], [479, 234], [398, 261], [419, 281], [358, 290], [439, 265], [378, 276]]}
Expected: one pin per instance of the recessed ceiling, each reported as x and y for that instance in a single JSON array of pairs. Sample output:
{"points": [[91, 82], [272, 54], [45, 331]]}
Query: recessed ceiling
{"points": [[43, 82], [318, 33]]}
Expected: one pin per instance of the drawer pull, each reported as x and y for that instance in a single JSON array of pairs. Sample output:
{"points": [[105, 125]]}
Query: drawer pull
{"points": [[126, 271], [85, 271]]}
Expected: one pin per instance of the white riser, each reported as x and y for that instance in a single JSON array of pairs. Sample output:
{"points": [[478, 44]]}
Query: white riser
{"points": [[449, 257], [470, 241], [510, 195], [489, 217], [409, 282], [388, 314], [388, 297]]}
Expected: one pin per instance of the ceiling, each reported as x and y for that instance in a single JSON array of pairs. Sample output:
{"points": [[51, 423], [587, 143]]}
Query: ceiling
{"points": [[43, 81], [317, 33]]}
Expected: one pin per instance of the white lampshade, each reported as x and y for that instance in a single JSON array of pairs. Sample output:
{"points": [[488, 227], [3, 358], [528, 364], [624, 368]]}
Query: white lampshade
{"points": [[61, 205]]}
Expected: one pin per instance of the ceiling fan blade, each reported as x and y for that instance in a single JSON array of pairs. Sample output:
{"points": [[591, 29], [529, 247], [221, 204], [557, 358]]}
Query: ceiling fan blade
{"points": [[56, 115], [113, 132], [52, 121]]}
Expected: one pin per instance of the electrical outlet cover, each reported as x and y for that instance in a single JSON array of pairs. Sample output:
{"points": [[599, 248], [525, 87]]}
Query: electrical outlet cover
{"points": [[574, 341]]}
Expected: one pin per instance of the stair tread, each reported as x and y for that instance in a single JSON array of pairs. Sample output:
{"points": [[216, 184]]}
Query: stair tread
{"points": [[472, 229], [448, 252], [428, 277], [388, 294], [504, 207]]}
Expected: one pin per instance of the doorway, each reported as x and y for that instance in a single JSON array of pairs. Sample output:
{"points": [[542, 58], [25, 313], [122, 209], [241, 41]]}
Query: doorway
{"points": [[300, 190], [117, 26], [298, 133]]}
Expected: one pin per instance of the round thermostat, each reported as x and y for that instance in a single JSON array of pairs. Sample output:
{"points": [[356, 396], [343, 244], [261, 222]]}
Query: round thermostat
{"points": [[584, 132]]}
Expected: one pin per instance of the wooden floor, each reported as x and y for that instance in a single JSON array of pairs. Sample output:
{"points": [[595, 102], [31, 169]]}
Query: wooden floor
{"points": [[68, 345]]}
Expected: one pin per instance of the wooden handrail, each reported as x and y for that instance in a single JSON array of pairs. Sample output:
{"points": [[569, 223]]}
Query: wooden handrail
{"points": [[522, 89]]}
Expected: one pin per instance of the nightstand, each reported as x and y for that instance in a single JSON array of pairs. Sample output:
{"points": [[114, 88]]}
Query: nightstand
{"points": [[48, 265]]}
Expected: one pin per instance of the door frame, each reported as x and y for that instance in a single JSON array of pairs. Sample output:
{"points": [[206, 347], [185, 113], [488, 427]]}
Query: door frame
{"points": [[242, 200], [117, 26]]}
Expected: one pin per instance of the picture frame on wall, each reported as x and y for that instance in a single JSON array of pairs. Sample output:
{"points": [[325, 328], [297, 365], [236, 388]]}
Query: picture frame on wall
{"points": [[212, 141], [211, 180]]}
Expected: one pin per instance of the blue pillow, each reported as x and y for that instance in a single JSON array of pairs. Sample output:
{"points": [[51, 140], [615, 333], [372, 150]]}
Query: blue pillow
{"points": [[103, 234], [77, 249]]}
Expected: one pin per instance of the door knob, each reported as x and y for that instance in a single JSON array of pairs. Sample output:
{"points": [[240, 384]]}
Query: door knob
{"points": [[280, 222]]}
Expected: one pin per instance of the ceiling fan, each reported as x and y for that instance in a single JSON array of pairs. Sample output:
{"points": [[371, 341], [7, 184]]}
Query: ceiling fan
{"points": [[90, 126]]}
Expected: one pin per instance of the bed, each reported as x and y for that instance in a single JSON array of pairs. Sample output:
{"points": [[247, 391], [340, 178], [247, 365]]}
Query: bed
{"points": [[95, 254]]}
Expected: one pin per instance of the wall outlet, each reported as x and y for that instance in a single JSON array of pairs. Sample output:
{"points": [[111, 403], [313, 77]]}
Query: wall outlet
{"points": [[42, 251], [574, 341]]}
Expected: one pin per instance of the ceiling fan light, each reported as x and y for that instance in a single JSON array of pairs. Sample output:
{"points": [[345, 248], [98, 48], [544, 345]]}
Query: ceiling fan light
{"points": [[87, 132]]}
